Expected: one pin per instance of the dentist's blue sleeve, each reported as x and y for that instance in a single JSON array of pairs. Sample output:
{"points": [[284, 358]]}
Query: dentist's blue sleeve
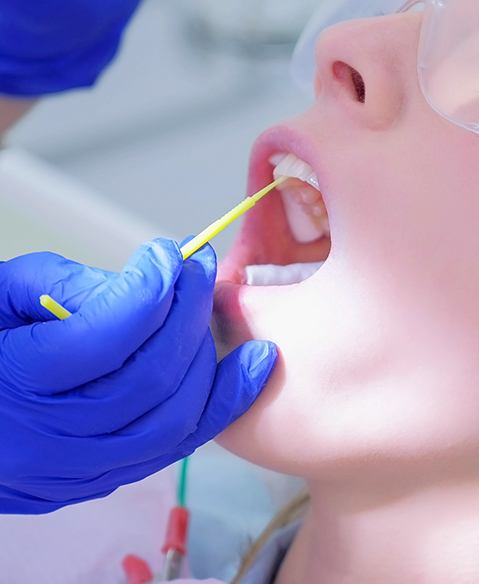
{"points": [[48, 46]]}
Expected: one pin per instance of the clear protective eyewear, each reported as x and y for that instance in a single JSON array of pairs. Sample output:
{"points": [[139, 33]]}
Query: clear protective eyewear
{"points": [[448, 54]]}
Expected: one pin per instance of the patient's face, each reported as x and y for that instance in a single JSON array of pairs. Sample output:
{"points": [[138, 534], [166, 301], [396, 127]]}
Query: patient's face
{"points": [[379, 364]]}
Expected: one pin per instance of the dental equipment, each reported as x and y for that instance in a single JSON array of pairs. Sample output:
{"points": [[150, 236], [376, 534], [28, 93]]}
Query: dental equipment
{"points": [[174, 548], [192, 246], [54, 307], [220, 224], [137, 570]]}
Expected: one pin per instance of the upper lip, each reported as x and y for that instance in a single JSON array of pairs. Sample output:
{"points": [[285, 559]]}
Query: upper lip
{"points": [[279, 139]]}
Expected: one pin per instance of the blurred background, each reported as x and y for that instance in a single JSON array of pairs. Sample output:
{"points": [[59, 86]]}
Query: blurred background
{"points": [[166, 134], [160, 147]]}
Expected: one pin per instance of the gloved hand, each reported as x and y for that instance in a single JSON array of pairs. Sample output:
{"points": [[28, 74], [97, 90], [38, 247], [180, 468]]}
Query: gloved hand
{"points": [[54, 45], [123, 388]]}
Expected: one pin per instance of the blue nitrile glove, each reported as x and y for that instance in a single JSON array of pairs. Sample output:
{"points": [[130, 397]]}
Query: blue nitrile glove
{"points": [[126, 386], [51, 45]]}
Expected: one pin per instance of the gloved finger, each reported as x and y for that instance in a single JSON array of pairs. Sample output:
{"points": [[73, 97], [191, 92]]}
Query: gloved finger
{"points": [[57, 464], [153, 373], [157, 433], [51, 493], [165, 427], [238, 381], [240, 378], [117, 477], [60, 355], [24, 279], [205, 411], [17, 502]]}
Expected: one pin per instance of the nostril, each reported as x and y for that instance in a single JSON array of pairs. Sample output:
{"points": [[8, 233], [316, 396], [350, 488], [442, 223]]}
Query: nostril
{"points": [[351, 78], [359, 85]]}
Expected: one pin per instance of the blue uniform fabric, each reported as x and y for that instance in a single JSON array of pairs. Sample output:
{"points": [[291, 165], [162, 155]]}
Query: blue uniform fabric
{"points": [[126, 386], [48, 46]]}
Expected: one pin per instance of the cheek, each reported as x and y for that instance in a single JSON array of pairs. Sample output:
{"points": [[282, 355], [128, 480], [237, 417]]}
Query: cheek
{"points": [[322, 348], [354, 391], [402, 422], [319, 332]]}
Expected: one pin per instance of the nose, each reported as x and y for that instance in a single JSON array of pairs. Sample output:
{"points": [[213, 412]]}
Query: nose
{"points": [[368, 67]]}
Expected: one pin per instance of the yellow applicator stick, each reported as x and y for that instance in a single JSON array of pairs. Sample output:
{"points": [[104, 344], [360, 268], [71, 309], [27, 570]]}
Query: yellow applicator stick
{"points": [[192, 246], [220, 224], [54, 307]]}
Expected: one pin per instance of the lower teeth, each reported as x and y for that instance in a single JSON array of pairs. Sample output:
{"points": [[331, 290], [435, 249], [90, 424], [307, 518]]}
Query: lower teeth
{"points": [[271, 275]]}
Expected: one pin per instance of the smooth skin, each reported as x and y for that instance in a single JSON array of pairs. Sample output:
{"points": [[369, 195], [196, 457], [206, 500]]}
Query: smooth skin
{"points": [[11, 110], [375, 400]]}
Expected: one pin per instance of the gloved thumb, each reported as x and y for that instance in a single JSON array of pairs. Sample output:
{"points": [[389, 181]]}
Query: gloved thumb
{"points": [[59, 355], [25, 278], [240, 378]]}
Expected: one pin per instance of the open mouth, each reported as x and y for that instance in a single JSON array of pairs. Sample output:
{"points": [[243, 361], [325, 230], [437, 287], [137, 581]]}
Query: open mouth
{"points": [[307, 217], [287, 238]]}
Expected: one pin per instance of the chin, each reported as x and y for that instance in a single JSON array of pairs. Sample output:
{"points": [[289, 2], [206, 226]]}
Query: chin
{"points": [[283, 253]]}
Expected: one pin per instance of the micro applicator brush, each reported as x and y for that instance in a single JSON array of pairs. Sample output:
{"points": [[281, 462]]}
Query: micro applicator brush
{"points": [[192, 246], [220, 224]]}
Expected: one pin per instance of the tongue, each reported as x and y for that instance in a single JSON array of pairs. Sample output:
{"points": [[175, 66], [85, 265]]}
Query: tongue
{"points": [[271, 275]]}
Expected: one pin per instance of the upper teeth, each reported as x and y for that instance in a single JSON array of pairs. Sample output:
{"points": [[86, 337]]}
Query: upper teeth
{"points": [[304, 207], [290, 165]]}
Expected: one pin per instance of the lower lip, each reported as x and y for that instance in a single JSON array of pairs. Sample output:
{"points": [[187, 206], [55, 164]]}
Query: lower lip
{"points": [[276, 246]]}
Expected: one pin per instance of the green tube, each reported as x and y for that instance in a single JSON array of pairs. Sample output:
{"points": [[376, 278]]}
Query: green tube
{"points": [[182, 483]]}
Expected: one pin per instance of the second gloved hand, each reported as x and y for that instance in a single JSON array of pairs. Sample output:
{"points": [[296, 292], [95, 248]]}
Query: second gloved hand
{"points": [[126, 386]]}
